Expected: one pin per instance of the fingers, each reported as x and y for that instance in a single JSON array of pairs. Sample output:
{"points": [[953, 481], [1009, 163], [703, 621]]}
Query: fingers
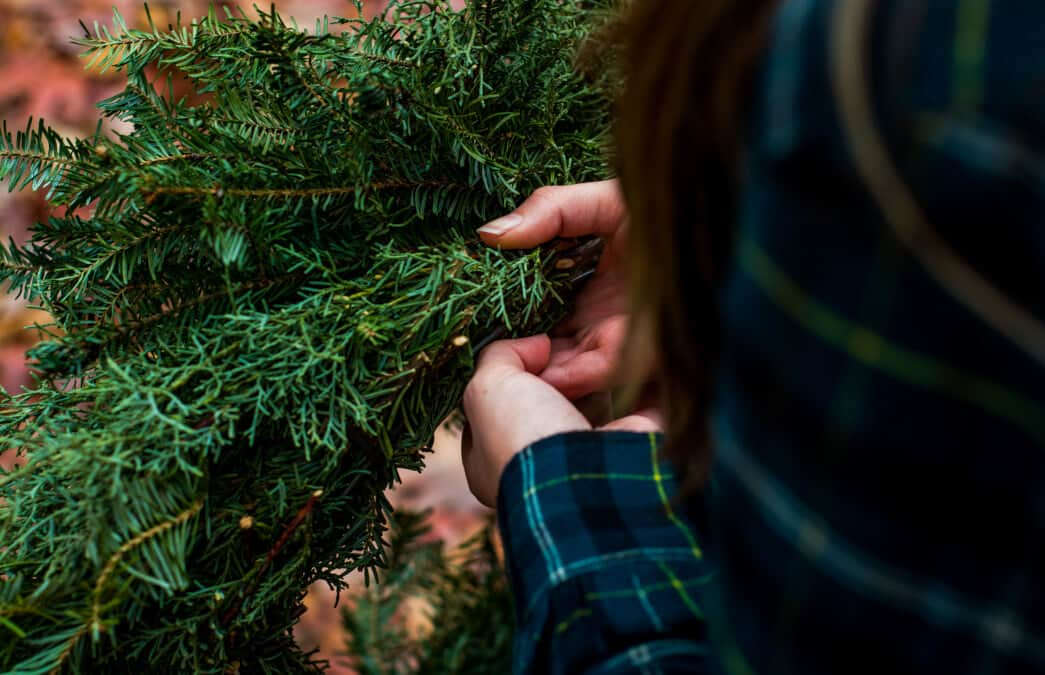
{"points": [[646, 421], [578, 368], [584, 374], [602, 299], [509, 408], [529, 355], [559, 211]]}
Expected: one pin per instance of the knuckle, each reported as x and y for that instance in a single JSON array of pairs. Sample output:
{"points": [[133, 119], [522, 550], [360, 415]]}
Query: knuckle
{"points": [[546, 194], [489, 353], [472, 393]]}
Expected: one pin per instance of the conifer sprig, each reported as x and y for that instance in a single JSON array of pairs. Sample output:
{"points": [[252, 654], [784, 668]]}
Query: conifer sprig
{"points": [[266, 297]]}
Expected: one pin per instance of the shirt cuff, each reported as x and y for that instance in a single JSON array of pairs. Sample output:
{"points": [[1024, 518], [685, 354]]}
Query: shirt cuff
{"points": [[578, 502]]}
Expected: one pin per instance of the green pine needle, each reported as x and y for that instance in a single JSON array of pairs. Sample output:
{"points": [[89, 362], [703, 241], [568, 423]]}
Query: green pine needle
{"points": [[264, 299]]}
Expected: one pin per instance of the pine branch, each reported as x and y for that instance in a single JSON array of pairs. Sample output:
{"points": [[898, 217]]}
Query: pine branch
{"points": [[16, 267], [107, 49], [36, 157], [187, 157], [284, 536], [67, 649], [276, 286], [295, 193], [126, 547]]}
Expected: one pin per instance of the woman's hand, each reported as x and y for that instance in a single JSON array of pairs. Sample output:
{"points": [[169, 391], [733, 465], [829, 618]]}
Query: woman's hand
{"points": [[586, 344], [509, 407], [522, 390]]}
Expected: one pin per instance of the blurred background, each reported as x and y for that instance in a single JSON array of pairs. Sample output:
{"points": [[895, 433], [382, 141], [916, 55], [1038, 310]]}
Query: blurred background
{"points": [[42, 76]]}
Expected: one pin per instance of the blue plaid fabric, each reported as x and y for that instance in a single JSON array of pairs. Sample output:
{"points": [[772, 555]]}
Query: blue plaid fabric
{"points": [[605, 566], [877, 503]]}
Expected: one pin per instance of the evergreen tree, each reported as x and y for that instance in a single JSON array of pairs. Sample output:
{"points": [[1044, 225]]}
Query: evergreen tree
{"points": [[266, 296]]}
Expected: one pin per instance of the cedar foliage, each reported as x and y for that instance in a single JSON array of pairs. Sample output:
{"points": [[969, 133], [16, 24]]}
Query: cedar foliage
{"points": [[266, 296]]}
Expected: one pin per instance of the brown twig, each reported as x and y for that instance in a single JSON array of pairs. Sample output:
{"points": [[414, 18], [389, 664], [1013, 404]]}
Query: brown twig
{"points": [[147, 321], [68, 649], [39, 156], [15, 267], [190, 156], [219, 191], [293, 525]]}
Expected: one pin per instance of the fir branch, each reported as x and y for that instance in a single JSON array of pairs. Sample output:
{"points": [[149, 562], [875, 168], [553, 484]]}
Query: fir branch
{"points": [[126, 547], [117, 171], [279, 134], [284, 536], [137, 325], [297, 193], [17, 267], [158, 111], [41, 157], [320, 98], [302, 513], [276, 287], [67, 650], [465, 591], [106, 50], [187, 157], [388, 61], [149, 95], [83, 276]]}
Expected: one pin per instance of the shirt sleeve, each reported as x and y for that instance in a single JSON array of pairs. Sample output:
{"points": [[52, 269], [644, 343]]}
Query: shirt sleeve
{"points": [[871, 429], [606, 567]]}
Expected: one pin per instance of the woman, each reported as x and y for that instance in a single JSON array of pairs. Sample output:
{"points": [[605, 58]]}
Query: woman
{"points": [[836, 268]]}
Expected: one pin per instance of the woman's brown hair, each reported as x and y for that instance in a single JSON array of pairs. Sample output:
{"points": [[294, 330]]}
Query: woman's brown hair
{"points": [[687, 66]]}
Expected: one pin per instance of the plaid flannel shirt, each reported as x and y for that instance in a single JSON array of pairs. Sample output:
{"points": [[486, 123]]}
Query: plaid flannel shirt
{"points": [[877, 503], [605, 566]]}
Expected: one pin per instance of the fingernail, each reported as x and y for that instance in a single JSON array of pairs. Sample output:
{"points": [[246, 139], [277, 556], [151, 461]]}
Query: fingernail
{"points": [[502, 225]]}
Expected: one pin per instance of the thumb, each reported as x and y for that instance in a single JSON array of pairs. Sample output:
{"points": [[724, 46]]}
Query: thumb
{"points": [[530, 355], [559, 211]]}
